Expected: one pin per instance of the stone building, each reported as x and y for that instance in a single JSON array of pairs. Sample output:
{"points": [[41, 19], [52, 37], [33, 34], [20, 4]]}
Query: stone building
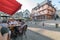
{"points": [[44, 10], [26, 14]]}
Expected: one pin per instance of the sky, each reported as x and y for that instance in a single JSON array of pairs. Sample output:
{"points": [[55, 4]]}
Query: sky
{"points": [[29, 4]]}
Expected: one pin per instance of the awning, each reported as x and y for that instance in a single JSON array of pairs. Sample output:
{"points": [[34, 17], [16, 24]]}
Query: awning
{"points": [[9, 6]]}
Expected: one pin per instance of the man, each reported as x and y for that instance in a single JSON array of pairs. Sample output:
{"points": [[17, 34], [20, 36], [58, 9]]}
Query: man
{"points": [[4, 31]]}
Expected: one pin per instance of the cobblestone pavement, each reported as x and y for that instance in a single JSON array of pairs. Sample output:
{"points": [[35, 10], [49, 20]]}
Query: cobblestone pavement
{"points": [[34, 36], [38, 32]]}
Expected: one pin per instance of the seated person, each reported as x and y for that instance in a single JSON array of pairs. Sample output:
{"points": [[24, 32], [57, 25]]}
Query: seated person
{"points": [[3, 33], [12, 23], [4, 28]]}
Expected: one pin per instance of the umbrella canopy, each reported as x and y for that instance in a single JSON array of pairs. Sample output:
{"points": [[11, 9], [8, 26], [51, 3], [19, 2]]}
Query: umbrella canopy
{"points": [[9, 6]]}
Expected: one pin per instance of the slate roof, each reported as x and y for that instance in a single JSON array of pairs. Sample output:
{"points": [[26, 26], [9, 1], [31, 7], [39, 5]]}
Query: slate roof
{"points": [[42, 4]]}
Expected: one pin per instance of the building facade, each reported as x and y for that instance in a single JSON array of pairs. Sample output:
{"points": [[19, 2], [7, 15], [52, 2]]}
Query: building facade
{"points": [[18, 15], [4, 16], [44, 10], [26, 14]]}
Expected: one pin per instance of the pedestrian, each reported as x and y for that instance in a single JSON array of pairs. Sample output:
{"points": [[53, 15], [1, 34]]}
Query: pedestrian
{"points": [[12, 26], [4, 31], [13, 22], [43, 24], [56, 25]]}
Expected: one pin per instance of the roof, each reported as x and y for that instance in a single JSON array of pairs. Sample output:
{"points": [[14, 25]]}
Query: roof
{"points": [[43, 3]]}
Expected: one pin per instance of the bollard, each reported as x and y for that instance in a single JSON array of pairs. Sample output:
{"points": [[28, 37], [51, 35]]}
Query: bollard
{"points": [[56, 25]]}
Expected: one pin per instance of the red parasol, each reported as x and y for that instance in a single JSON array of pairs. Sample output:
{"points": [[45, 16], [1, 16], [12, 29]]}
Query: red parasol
{"points": [[9, 6]]}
